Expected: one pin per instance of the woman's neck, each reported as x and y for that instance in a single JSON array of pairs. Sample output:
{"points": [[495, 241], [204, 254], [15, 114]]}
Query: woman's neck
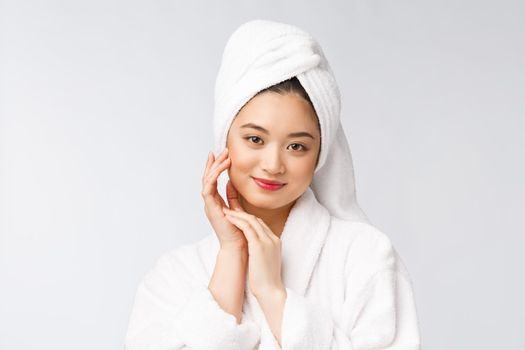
{"points": [[274, 218]]}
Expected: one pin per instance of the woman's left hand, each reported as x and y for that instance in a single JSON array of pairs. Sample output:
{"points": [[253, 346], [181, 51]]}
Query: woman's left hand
{"points": [[264, 260]]}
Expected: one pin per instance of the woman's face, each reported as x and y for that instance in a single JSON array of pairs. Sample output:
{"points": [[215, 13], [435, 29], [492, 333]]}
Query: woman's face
{"points": [[261, 144]]}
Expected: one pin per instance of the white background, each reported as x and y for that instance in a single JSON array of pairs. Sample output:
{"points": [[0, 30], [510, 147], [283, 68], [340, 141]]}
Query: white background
{"points": [[106, 121]]}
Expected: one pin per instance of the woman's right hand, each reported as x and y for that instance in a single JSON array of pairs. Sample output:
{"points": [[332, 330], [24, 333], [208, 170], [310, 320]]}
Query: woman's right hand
{"points": [[229, 235]]}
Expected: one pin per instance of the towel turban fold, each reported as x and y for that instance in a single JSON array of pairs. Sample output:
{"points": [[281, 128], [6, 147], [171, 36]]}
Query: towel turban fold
{"points": [[261, 53]]}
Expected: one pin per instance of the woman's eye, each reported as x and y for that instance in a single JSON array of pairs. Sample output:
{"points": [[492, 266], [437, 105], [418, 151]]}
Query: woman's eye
{"points": [[303, 148], [253, 137]]}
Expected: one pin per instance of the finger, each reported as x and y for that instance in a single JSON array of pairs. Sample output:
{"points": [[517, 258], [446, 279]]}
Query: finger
{"points": [[208, 163], [214, 174], [211, 196], [208, 175], [252, 220], [233, 197], [210, 181], [219, 159], [269, 230], [218, 162], [245, 227]]}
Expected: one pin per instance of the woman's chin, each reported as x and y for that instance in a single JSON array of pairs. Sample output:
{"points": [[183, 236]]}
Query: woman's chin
{"points": [[264, 201], [261, 201]]}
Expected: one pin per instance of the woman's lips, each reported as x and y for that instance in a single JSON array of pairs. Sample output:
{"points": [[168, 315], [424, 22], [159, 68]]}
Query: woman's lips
{"points": [[268, 186]]}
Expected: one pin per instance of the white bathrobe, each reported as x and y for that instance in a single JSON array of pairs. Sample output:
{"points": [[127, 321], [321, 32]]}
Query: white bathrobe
{"points": [[347, 288]]}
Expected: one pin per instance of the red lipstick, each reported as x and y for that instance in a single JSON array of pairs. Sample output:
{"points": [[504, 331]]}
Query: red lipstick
{"points": [[268, 184]]}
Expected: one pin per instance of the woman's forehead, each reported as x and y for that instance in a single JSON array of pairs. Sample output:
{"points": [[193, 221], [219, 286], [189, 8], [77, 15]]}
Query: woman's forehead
{"points": [[272, 112]]}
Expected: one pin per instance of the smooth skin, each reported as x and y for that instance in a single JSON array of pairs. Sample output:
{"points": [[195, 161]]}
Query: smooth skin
{"points": [[249, 227]]}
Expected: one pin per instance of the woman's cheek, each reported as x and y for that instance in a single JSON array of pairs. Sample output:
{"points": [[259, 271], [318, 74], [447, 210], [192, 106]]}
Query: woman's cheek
{"points": [[241, 160], [234, 173]]}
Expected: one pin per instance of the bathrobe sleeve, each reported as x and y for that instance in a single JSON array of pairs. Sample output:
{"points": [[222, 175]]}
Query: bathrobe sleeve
{"points": [[378, 313], [172, 311]]}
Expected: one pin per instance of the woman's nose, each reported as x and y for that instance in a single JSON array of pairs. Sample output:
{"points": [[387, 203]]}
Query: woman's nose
{"points": [[272, 162]]}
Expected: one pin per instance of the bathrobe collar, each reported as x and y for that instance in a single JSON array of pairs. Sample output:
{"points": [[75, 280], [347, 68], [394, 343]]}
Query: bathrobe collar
{"points": [[302, 239]]}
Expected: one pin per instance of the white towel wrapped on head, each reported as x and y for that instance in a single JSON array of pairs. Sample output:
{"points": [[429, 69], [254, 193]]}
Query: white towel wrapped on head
{"points": [[262, 53]]}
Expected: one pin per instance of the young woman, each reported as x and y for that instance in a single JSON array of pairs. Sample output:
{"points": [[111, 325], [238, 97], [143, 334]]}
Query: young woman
{"points": [[292, 261]]}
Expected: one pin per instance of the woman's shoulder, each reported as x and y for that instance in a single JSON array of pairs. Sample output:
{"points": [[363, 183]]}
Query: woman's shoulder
{"points": [[191, 259], [367, 247], [190, 250]]}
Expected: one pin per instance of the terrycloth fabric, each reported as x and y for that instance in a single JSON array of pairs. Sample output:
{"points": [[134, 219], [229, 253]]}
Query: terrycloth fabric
{"points": [[347, 289], [261, 53]]}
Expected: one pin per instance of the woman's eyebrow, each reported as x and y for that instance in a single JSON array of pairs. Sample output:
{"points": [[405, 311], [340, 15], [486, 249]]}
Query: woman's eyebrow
{"points": [[293, 134]]}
